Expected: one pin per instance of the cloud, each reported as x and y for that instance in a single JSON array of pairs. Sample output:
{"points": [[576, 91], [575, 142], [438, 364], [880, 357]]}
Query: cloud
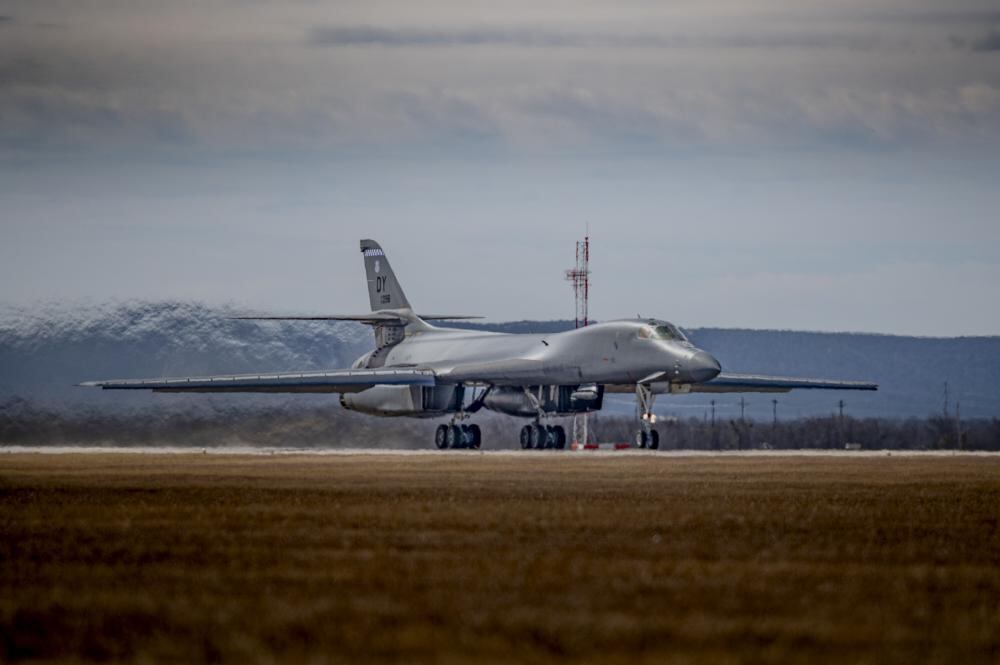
{"points": [[527, 37], [407, 80], [988, 43]]}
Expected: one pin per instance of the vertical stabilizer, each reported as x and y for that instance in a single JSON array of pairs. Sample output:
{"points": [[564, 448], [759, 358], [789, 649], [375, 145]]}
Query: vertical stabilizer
{"points": [[384, 290]]}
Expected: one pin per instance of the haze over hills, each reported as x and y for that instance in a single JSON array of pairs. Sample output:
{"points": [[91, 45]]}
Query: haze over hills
{"points": [[45, 350]]}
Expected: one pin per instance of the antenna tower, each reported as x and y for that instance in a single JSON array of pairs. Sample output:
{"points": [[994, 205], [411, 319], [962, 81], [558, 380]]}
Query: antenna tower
{"points": [[579, 277]]}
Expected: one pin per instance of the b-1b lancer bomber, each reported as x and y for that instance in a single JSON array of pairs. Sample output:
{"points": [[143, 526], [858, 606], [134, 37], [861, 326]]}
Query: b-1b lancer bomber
{"points": [[424, 371]]}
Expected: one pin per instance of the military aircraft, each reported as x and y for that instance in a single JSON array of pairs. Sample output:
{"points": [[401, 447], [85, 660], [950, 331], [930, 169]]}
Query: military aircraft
{"points": [[421, 370]]}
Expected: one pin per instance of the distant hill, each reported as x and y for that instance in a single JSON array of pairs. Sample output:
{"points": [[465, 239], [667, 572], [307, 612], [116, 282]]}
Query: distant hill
{"points": [[45, 350]]}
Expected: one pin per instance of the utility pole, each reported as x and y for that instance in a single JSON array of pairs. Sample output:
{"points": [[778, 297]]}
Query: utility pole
{"points": [[715, 438], [945, 399], [774, 419], [840, 422], [958, 423], [743, 420]]}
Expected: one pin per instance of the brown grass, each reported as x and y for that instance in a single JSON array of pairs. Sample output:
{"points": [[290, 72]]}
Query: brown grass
{"points": [[499, 558]]}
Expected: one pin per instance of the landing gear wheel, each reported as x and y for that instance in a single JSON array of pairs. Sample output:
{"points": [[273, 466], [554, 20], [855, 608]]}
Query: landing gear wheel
{"points": [[654, 440], [466, 437], [455, 437], [476, 435], [441, 437], [526, 441], [560, 437], [641, 439], [539, 437]]}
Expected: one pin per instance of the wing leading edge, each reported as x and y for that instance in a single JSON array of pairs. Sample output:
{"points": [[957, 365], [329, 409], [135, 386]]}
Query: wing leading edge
{"points": [[333, 381], [758, 383]]}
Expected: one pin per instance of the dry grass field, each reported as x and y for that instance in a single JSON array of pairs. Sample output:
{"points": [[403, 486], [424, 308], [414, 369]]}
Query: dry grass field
{"points": [[494, 558]]}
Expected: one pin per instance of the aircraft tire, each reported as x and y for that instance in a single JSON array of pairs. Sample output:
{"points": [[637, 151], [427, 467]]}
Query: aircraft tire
{"points": [[560, 437], [476, 440], [640, 439], [441, 437], [526, 437], [454, 437], [654, 440], [540, 437]]}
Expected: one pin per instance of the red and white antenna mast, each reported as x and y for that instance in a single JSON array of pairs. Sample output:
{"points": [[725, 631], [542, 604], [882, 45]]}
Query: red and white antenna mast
{"points": [[579, 277]]}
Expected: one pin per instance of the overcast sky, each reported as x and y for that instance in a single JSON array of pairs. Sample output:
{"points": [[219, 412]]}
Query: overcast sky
{"points": [[780, 164]]}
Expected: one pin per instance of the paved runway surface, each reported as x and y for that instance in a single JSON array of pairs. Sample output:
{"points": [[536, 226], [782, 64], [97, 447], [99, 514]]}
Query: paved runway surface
{"points": [[248, 450], [363, 556]]}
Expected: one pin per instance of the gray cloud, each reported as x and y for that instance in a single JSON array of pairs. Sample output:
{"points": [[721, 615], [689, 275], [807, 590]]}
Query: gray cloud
{"points": [[988, 42], [528, 37], [169, 77]]}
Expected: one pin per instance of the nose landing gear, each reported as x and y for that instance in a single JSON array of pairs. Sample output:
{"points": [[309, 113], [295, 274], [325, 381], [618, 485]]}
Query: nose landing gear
{"points": [[646, 437]]}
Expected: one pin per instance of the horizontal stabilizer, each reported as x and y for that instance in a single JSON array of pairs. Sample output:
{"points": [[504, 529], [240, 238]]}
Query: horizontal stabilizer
{"points": [[448, 317], [333, 381], [370, 318]]}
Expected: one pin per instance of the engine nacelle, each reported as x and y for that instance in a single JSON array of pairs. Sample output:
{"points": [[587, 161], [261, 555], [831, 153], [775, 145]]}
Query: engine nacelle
{"points": [[553, 399], [413, 401]]}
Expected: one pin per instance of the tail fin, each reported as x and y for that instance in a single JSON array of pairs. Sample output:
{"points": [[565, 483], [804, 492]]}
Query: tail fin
{"points": [[384, 290]]}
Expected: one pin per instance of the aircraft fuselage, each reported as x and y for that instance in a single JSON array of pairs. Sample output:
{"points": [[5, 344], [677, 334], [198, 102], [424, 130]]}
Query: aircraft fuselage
{"points": [[604, 353]]}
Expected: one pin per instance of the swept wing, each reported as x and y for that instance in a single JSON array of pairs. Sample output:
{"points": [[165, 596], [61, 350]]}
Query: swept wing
{"points": [[332, 381], [759, 383]]}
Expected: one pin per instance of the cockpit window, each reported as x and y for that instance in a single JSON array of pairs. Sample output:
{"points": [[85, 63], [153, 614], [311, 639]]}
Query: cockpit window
{"points": [[666, 331]]}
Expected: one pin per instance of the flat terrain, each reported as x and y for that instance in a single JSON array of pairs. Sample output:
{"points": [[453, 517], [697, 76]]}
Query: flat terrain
{"points": [[538, 558]]}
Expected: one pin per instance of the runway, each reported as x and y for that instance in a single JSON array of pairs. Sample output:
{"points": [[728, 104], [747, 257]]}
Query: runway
{"points": [[399, 452]]}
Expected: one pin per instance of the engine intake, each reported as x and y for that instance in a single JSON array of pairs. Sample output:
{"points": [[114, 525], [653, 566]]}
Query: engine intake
{"points": [[553, 399], [413, 401]]}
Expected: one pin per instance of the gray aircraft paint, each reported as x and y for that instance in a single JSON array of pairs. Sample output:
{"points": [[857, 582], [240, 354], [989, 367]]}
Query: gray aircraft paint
{"points": [[418, 369], [384, 290]]}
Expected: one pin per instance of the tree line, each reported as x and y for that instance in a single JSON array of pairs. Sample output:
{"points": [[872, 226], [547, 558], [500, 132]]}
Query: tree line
{"points": [[22, 423]]}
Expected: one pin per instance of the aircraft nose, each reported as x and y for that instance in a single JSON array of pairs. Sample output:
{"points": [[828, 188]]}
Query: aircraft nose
{"points": [[703, 367]]}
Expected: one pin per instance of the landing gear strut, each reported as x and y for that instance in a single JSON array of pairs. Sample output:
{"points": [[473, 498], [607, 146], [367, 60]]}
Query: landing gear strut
{"points": [[454, 435], [646, 437], [540, 436]]}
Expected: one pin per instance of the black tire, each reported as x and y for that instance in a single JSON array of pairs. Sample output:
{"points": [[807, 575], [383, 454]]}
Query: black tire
{"points": [[526, 441], [654, 440], [441, 437], [560, 437], [477, 436], [641, 439], [454, 437], [541, 437]]}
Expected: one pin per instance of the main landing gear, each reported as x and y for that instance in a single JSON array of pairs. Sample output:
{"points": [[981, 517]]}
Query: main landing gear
{"points": [[646, 437], [540, 437], [458, 436]]}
